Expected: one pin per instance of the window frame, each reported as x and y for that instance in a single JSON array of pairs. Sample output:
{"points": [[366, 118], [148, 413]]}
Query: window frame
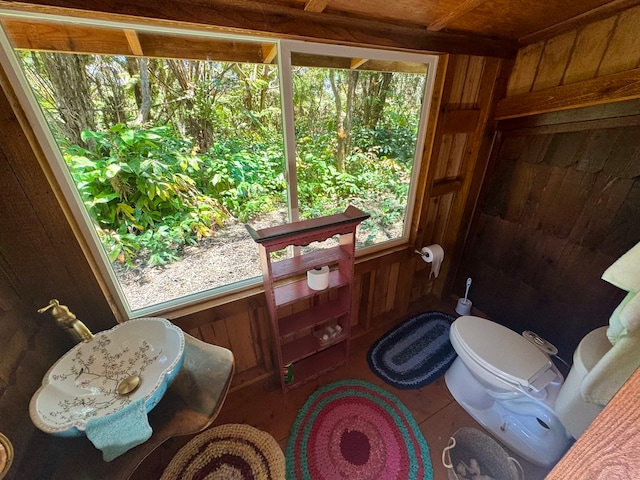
{"points": [[70, 197]]}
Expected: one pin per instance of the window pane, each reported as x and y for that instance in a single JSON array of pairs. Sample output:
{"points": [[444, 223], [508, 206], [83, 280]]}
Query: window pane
{"points": [[170, 157], [356, 136], [172, 140]]}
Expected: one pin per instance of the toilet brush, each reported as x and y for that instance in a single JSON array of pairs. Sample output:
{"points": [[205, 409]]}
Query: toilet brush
{"points": [[466, 292], [464, 304]]}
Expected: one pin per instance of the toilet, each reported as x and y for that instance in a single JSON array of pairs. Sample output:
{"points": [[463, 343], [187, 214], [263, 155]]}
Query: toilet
{"points": [[513, 389]]}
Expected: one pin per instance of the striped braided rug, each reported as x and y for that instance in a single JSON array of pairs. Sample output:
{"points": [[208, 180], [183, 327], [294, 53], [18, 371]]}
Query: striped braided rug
{"points": [[355, 430], [415, 353], [228, 452]]}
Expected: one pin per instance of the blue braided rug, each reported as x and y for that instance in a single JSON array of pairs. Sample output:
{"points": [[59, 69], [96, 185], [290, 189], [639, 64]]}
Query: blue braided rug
{"points": [[414, 353]]}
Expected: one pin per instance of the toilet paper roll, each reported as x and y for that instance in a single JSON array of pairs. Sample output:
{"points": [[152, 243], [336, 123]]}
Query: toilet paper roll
{"points": [[433, 254], [318, 278]]}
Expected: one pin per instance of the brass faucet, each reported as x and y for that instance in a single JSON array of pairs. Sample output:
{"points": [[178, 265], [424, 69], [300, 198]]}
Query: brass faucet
{"points": [[68, 321]]}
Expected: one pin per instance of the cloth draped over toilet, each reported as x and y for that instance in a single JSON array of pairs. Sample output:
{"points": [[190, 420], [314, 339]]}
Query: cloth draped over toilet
{"points": [[619, 363]]}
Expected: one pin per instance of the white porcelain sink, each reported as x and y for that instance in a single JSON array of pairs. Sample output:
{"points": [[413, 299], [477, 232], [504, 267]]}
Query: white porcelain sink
{"points": [[82, 384]]}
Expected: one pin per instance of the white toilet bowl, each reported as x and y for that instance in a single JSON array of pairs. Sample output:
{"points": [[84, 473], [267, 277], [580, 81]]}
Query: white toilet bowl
{"points": [[511, 387]]}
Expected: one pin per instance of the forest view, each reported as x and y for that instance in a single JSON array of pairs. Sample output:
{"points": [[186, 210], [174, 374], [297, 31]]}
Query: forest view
{"points": [[166, 153]]}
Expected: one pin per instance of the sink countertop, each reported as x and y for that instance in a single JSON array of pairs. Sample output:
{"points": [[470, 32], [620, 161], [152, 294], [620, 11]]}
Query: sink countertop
{"points": [[189, 406]]}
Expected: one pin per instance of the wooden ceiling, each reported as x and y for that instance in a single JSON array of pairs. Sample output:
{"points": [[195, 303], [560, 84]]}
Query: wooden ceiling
{"points": [[507, 19], [482, 27]]}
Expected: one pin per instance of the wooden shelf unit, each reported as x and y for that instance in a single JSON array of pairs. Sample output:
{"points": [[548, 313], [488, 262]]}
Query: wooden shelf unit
{"points": [[298, 312]]}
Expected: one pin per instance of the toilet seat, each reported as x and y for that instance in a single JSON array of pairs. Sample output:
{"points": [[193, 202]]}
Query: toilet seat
{"points": [[502, 352]]}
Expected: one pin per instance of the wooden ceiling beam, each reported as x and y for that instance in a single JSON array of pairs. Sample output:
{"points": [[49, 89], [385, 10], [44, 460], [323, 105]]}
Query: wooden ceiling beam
{"points": [[269, 52], [193, 48], [248, 16], [134, 41], [465, 7], [315, 5], [65, 38], [358, 62], [104, 41], [611, 88]]}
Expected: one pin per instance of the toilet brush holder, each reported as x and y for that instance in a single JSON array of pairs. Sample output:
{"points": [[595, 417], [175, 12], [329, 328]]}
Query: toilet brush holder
{"points": [[464, 306]]}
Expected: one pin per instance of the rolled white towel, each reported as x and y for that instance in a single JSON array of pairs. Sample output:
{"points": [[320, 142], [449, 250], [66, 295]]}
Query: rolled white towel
{"points": [[630, 314], [624, 273]]}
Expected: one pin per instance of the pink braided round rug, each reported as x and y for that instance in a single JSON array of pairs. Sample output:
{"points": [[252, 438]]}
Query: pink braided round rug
{"points": [[355, 430]]}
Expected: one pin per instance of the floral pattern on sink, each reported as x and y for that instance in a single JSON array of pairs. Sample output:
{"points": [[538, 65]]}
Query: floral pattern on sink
{"points": [[82, 384]]}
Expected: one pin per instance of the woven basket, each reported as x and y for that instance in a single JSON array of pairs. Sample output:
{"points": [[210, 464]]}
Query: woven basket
{"points": [[493, 460]]}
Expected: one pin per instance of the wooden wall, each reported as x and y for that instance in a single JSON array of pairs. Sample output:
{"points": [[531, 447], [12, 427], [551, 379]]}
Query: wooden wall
{"points": [[562, 198], [40, 259], [597, 50]]}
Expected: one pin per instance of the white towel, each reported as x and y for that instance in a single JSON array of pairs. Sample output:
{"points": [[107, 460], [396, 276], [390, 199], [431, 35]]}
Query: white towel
{"points": [[617, 365], [625, 272], [612, 371], [617, 329], [630, 313]]}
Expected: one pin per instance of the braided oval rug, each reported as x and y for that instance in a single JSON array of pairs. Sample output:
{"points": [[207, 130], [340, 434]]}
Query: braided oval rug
{"points": [[228, 452], [355, 430], [415, 353]]}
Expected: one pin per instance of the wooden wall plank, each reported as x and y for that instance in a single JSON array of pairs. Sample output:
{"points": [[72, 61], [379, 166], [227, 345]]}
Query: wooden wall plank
{"points": [[593, 224], [612, 88], [460, 121], [535, 149], [521, 183], [564, 147], [40, 252], [381, 286], [623, 52], [554, 60], [624, 158], [469, 98], [459, 65], [524, 70], [595, 149], [452, 168], [589, 49], [625, 227], [242, 342], [444, 153], [394, 274]]}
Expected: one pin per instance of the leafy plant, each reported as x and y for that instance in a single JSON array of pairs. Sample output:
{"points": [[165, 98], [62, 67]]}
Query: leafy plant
{"points": [[138, 187]]}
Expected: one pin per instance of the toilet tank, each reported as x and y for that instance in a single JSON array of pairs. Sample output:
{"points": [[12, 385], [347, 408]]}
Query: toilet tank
{"points": [[574, 413]]}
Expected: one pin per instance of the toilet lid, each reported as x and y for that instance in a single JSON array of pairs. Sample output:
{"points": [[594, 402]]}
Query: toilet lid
{"points": [[502, 351]]}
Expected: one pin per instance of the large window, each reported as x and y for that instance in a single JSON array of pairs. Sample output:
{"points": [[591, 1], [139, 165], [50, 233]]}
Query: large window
{"points": [[168, 141]]}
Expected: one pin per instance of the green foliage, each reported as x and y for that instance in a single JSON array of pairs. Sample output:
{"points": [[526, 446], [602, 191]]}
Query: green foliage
{"points": [[138, 186], [247, 181], [391, 141], [212, 147]]}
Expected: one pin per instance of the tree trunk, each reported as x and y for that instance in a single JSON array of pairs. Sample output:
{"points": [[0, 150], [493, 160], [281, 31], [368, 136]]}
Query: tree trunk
{"points": [[379, 100], [144, 107], [72, 93], [341, 138], [348, 123]]}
